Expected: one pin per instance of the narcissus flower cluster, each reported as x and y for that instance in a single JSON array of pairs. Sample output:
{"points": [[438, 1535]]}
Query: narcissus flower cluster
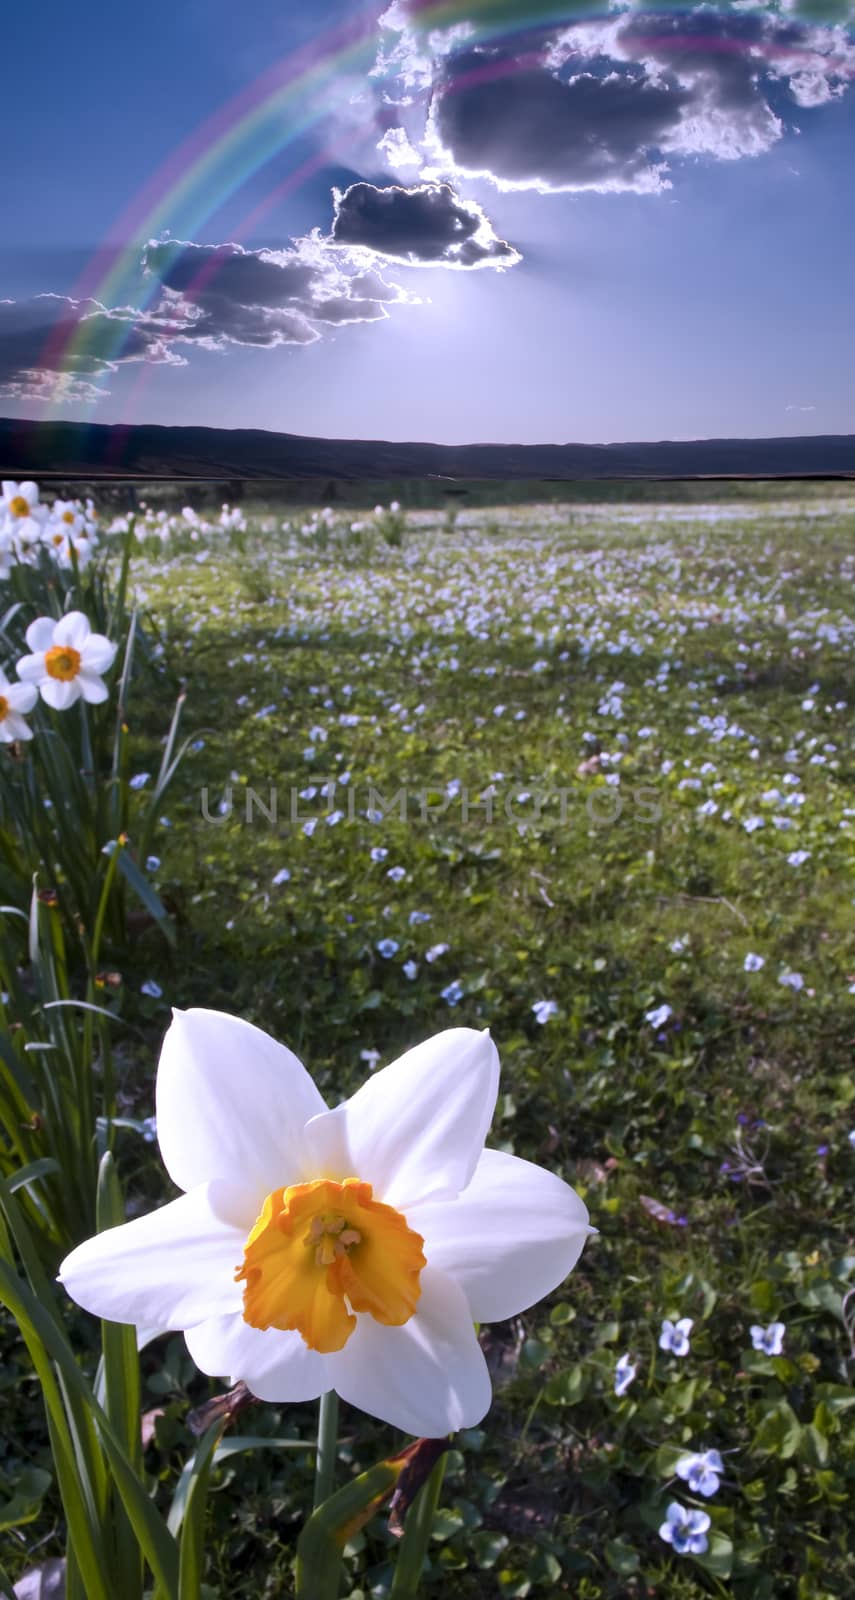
{"points": [[350, 1249], [67, 529]]}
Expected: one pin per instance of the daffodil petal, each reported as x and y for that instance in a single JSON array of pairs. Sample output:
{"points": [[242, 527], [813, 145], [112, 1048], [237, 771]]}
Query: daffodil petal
{"points": [[60, 693], [92, 688], [73, 629], [416, 1129], [171, 1268], [32, 668], [21, 696], [427, 1378], [39, 635], [231, 1103], [97, 653], [276, 1366], [509, 1239], [146, 1334]]}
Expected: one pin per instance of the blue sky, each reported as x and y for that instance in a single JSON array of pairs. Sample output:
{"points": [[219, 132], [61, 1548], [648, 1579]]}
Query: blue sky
{"points": [[632, 224]]}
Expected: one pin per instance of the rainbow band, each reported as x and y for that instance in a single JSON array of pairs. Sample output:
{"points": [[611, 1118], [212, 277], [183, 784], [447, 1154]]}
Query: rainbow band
{"points": [[230, 147], [223, 154]]}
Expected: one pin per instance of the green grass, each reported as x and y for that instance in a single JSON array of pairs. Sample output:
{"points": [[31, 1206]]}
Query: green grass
{"points": [[610, 900]]}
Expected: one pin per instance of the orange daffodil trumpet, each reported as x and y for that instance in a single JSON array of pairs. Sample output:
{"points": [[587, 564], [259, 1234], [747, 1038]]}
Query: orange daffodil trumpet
{"points": [[67, 660], [348, 1249]]}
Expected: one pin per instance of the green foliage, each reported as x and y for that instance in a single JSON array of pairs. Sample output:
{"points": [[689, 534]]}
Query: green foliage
{"points": [[114, 1532], [73, 835], [712, 1150]]}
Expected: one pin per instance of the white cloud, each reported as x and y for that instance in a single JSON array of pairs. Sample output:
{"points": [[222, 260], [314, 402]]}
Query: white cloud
{"points": [[396, 147]]}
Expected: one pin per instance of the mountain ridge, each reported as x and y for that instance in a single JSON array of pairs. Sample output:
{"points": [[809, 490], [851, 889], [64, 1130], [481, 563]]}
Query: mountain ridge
{"points": [[105, 451]]}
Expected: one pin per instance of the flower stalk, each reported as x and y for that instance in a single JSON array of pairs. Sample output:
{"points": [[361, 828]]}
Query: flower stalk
{"points": [[327, 1447]]}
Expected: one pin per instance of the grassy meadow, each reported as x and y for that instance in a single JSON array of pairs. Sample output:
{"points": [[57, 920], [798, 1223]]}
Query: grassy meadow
{"points": [[580, 773]]}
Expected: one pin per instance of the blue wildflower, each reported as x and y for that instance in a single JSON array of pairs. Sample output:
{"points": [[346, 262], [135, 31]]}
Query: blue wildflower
{"points": [[684, 1530], [674, 1336], [769, 1341], [701, 1471]]}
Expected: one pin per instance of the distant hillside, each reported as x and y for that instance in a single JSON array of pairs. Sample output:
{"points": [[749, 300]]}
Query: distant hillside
{"points": [[98, 451]]}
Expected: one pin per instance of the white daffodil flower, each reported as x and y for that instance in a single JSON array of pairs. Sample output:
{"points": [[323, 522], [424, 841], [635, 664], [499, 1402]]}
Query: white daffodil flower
{"points": [[69, 534], [55, 538], [15, 699], [67, 517], [24, 517], [67, 661], [68, 551], [350, 1249]]}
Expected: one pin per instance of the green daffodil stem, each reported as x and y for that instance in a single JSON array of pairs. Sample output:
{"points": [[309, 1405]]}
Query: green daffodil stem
{"points": [[327, 1446], [417, 1532]]}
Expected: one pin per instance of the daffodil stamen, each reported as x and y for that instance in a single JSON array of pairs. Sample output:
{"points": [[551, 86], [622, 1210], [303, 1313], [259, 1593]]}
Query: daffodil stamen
{"points": [[330, 1238], [319, 1253]]}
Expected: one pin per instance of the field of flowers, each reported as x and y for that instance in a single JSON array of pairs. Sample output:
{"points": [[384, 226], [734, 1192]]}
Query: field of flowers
{"points": [[580, 774]]}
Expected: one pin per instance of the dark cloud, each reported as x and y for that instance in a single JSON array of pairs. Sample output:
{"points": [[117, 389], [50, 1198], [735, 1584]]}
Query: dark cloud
{"points": [[730, 62], [528, 126], [52, 337], [371, 285], [265, 296], [212, 320], [244, 277], [341, 309], [719, 63], [603, 104], [424, 225], [208, 296]]}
